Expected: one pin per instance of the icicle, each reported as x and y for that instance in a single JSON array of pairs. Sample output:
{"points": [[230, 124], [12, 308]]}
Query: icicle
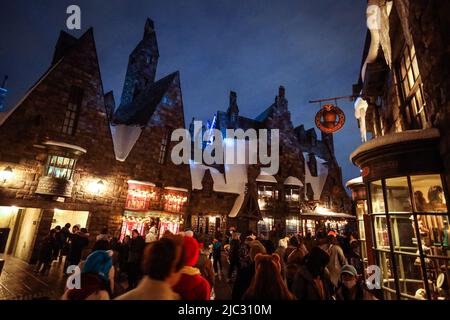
{"points": [[379, 20]]}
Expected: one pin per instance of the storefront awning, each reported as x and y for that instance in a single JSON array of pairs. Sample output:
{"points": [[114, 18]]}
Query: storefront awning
{"points": [[293, 181]]}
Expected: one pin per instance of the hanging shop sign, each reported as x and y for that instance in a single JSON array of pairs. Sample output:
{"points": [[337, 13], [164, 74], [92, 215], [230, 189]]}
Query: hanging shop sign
{"points": [[330, 118]]}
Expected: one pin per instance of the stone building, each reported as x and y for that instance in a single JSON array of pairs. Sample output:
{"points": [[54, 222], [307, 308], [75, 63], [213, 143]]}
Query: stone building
{"points": [[246, 197], [403, 112], [67, 154]]}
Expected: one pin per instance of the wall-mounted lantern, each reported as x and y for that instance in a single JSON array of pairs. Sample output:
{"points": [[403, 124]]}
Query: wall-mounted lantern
{"points": [[97, 187], [6, 174]]}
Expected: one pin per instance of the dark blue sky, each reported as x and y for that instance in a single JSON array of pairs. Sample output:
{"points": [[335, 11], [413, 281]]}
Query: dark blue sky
{"points": [[312, 47]]}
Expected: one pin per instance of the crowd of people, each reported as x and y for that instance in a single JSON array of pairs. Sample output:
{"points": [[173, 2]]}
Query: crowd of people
{"points": [[187, 266]]}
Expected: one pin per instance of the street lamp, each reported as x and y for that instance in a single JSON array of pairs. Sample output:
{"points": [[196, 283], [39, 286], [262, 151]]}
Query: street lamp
{"points": [[6, 174]]}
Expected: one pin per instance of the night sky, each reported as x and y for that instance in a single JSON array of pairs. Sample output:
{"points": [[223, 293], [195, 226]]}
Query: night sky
{"points": [[313, 48]]}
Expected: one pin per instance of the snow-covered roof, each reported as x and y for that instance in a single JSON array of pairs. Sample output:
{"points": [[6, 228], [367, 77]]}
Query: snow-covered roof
{"points": [[237, 206], [354, 181], [124, 138], [317, 183], [395, 138], [293, 181], [265, 177]]}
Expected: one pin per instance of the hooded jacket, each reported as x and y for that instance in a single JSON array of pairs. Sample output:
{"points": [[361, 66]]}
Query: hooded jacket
{"points": [[192, 286]]}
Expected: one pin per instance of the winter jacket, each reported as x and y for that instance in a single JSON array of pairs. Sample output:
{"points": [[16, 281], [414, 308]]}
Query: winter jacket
{"points": [[337, 261], [305, 288], [192, 286], [92, 287], [206, 268], [78, 242], [136, 251], [361, 294], [243, 281], [235, 245], [46, 250], [149, 289]]}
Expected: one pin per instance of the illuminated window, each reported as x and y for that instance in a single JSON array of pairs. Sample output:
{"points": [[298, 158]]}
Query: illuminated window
{"points": [[72, 111], [412, 90], [292, 195], [265, 194], [164, 147], [60, 167]]}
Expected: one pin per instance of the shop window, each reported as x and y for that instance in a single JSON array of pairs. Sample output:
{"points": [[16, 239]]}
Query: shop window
{"points": [[292, 195], [409, 272], [72, 111], [164, 147], [418, 215], [292, 226], [428, 193], [60, 167], [398, 197], [403, 234], [381, 235], [412, 90], [388, 279], [265, 195], [265, 226], [376, 194]]}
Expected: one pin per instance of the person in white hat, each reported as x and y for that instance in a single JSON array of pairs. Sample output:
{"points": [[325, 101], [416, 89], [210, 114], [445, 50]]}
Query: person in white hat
{"points": [[351, 288]]}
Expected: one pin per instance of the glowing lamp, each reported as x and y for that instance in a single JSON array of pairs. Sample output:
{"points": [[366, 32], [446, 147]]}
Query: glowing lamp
{"points": [[6, 174], [97, 187]]}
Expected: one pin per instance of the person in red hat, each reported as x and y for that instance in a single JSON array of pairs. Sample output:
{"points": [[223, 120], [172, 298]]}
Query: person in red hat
{"points": [[192, 286]]}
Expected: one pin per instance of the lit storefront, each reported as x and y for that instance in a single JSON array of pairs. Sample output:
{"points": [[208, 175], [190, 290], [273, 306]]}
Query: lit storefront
{"points": [[359, 198], [408, 213], [147, 204]]}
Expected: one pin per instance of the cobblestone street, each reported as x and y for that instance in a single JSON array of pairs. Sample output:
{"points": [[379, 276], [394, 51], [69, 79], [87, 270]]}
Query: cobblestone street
{"points": [[18, 282]]}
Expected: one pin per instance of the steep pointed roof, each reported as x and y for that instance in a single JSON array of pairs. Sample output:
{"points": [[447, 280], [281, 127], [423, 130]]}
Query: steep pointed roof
{"points": [[139, 112], [66, 45]]}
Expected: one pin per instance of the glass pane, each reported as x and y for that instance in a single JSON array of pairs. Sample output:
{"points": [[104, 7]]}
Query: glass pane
{"points": [[438, 275], [376, 193], [381, 233], [428, 193], [415, 68], [409, 272], [434, 232], [385, 264], [403, 233], [398, 197], [410, 78]]}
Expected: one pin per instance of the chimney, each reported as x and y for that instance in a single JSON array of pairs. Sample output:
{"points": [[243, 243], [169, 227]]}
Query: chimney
{"points": [[233, 98], [281, 92]]}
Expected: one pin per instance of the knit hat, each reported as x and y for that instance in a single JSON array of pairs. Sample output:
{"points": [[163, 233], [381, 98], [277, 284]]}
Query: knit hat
{"points": [[332, 233], [99, 262], [349, 269], [189, 233], [191, 251]]}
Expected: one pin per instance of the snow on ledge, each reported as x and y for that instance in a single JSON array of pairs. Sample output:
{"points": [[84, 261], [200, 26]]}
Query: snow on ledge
{"points": [[354, 181], [145, 183], [293, 181], [64, 145], [177, 189], [395, 138]]}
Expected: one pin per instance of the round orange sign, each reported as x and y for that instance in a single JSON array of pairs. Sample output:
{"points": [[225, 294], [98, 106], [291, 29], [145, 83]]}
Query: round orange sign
{"points": [[330, 118]]}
